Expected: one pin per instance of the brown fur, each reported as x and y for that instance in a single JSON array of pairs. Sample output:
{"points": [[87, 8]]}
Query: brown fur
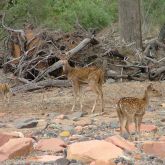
{"points": [[92, 76], [5, 90], [132, 108]]}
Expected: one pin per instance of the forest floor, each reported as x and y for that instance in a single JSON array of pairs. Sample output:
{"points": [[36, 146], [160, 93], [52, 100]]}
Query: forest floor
{"points": [[47, 105]]}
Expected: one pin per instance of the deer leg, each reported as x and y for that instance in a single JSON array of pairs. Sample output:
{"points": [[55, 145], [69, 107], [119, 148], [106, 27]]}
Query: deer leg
{"points": [[123, 125], [81, 97], [76, 92], [120, 117], [4, 98], [99, 89], [139, 124], [136, 126], [93, 86], [127, 129], [8, 97]]}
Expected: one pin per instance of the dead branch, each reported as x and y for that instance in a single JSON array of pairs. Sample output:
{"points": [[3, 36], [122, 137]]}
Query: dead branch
{"points": [[154, 73], [41, 84], [10, 29], [80, 46]]}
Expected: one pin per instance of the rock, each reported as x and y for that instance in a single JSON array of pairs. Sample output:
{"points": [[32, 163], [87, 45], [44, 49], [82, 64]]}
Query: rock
{"points": [[124, 160], [62, 161], [137, 156], [114, 124], [76, 115], [52, 115], [121, 142], [43, 158], [162, 138], [6, 136], [163, 105], [26, 123], [65, 134], [163, 120], [75, 162], [68, 128], [75, 137], [2, 125], [83, 122], [62, 116], [78, 128], [2, 114], [93, 150], [101, 162], [110, 80], [53, 144], [15, 148], [144, 128], [155, 148]]}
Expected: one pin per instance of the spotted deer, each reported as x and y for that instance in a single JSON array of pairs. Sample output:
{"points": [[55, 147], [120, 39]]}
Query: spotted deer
{"points": [[133, 109], [92, 76]]}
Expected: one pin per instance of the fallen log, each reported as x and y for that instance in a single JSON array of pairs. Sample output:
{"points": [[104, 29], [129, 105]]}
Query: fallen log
{"points": [[155, 73], [42, 84], [68, 54]]}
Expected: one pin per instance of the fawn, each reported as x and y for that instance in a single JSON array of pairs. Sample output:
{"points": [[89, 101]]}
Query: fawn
{"points": [[92, 76], [133, 109], [5, 90]]}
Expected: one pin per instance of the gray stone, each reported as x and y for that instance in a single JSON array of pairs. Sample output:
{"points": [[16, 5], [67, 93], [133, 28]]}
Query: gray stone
{"points": [[110, 80], [62, 161], [2, 125], [68, 128], [26, 123], [76, 115], [114, 124]]}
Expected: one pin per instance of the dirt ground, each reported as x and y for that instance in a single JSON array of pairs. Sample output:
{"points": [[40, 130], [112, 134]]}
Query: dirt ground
{"points": [[40, 102]]}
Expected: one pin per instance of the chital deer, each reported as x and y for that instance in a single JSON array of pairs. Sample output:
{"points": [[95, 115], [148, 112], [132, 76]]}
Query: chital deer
{"points": [[133, 109], [5, 90], [92, 76]]}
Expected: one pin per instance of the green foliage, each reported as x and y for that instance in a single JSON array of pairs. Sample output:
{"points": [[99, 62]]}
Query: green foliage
{"points": [[154, 11], [63, 14]]}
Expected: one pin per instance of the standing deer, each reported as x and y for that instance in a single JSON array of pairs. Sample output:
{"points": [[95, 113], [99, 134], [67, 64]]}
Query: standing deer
{"points": [[92, 76], [132, 108]]}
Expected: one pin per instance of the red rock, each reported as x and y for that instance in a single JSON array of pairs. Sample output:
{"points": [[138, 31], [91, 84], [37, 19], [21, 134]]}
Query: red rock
{"points": [[121, 142], [62, 116], [6, 136], [83, 122], [79, 128], [15, 148], [100, 162], [43, 158], [143, 128], [155, 148], [53, 144], [14, 134], [137, 156], [89, 151], [2, 114], [162, 138]]}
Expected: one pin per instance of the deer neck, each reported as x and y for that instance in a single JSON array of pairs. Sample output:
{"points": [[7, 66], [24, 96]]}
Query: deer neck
{"points": [[67, 69], [146, 97]]}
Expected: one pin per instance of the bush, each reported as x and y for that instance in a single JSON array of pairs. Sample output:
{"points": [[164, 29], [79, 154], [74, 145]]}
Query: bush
{"points": [[62, 14]]}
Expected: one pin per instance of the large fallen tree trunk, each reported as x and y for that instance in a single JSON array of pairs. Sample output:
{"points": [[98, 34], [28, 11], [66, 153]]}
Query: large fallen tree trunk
{"points": [[69, 54], [156, 73], [42, 84]]}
